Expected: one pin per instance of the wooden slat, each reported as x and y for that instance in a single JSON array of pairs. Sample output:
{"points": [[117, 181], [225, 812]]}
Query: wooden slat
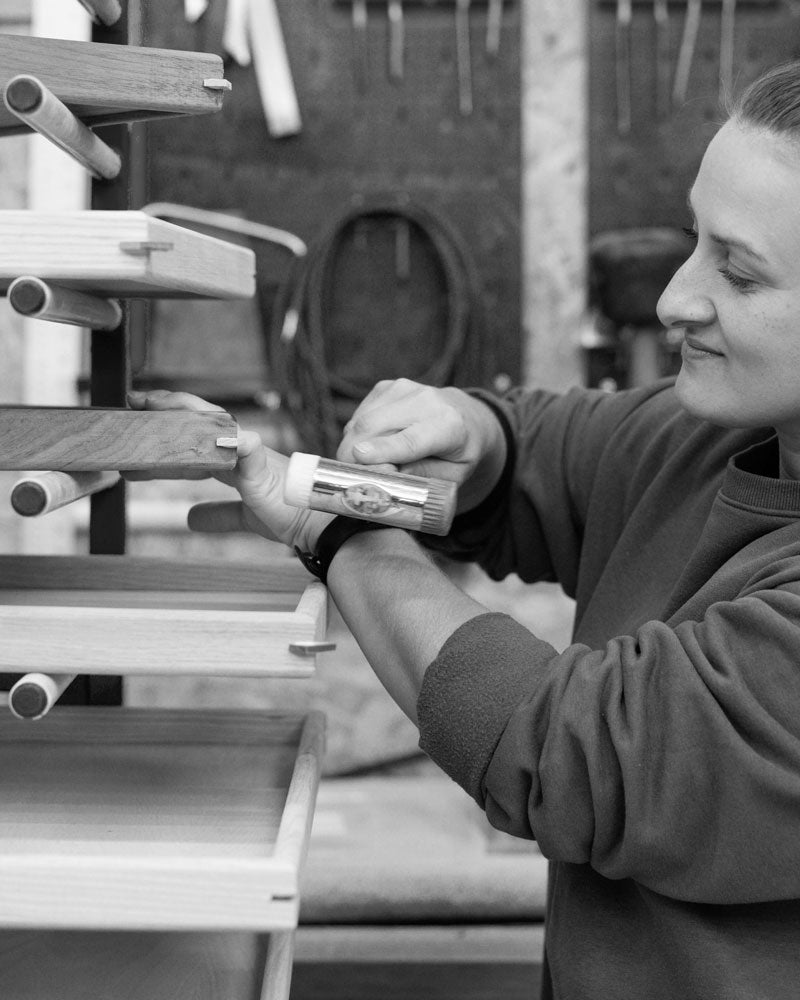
{"points": [[132, 726], [96, 439], [120, 640], [106, 253], [103, 573], [173, 826], [105, 83]]}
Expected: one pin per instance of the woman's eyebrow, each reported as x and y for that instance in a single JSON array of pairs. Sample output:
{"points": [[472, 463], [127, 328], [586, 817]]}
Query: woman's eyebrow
{"points": [[730, 241]]}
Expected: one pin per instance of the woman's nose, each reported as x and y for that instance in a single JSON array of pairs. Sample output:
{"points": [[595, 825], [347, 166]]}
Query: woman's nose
{"points": [[685, 302]]}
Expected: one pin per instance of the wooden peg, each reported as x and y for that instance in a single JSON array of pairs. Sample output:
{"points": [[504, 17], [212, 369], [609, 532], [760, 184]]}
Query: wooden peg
{"points": [[49, 491], [108, 12], [35, 694], [35, 298], [39, 108]]}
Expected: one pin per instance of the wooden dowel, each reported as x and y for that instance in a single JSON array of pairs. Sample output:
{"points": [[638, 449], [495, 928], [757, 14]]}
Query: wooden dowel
{"points": [[106, 11], [33, 297], [35, 694], [40, 109], [48, 491]]}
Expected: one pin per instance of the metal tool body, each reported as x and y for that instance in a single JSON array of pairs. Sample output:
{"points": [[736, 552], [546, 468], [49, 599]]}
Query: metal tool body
{"points": [[494, 22], [623, 65], [411, 502], [397, 41], [691, 27], [464, 57], [663, 68], [726, 48], [360, 48]]}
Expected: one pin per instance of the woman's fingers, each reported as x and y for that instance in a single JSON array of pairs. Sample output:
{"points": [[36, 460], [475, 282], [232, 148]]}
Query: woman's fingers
{"points": [[225, 516], [163, 399]]}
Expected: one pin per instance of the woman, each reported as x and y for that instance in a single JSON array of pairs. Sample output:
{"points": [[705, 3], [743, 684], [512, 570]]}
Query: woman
{"points": [[657, 759]]}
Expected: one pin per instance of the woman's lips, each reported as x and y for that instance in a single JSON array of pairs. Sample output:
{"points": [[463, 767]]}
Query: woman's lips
{"points": [[697, 349]]}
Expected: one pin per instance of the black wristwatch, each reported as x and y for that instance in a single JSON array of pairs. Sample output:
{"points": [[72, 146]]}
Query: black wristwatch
{"points": [[331, 540]]}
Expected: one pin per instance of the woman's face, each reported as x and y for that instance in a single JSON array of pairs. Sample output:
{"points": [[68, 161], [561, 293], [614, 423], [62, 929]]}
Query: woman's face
{"points": [[737, 298]]}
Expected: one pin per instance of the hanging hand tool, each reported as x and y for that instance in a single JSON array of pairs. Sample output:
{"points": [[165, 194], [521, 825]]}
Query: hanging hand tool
{"points": [[360, 50], [691, 26], [396, 38], [623, 44], [726, 49], [194, 9], [463, 57], [494, 22], [663, 69], [234, 33], [273, 73]]}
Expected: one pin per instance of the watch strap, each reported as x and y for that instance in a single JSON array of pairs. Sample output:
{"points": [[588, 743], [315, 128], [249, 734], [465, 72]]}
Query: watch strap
{"points": [[331, 540]]}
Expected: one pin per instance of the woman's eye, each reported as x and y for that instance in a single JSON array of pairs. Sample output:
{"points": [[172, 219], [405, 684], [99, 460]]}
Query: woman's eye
{"points": [[690, 232], [736, 280]]}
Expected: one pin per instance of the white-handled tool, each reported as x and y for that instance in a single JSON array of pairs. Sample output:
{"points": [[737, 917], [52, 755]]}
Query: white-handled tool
{"points": [[395, 498]]}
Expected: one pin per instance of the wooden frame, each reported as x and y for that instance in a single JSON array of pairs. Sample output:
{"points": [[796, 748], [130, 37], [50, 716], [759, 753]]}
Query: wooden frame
{"points": [[105, 83], [122, 254], [95, 439], [156, 820], [117, 615]]}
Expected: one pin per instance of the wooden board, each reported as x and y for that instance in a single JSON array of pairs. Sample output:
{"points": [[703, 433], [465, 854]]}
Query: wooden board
{"points": [[104, 83], [141, 616], [147, 820], [95, 439], [122, 254]]}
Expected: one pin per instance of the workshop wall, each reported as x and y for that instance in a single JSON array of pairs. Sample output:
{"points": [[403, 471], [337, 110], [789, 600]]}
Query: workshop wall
{"points": [[640, 177], [410, 204]]}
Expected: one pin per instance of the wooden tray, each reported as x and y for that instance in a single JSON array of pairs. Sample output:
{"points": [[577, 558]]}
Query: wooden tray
{"points": [[125, 615], [103, 84], [122, 254], [156, 820]]}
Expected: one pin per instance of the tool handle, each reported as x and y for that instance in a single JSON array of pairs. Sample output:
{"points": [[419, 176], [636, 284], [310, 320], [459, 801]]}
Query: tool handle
{"points": [[412, 502]]}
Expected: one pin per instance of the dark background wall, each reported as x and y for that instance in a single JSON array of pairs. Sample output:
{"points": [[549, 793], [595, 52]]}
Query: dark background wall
{"points": [[641, 179], [395, 144]]}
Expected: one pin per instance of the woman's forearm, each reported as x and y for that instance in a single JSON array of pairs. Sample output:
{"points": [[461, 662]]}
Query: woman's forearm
{"points": [[399, 606]]}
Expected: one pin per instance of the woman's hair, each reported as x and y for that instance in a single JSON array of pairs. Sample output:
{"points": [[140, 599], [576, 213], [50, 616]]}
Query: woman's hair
{"points": [[772, 101]]}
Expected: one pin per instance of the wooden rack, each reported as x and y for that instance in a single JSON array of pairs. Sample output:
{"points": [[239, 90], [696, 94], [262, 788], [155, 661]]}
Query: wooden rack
{"points": [[114, 819]]}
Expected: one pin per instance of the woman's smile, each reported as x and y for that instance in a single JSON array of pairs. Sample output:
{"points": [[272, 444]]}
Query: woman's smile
{"points": [[696, 350]]}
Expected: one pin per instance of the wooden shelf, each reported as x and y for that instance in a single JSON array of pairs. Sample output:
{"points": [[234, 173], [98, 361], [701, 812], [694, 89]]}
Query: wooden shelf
{"points": [[124, 819], [103, 84], [122, 254], [96, 439], [118, 615]]}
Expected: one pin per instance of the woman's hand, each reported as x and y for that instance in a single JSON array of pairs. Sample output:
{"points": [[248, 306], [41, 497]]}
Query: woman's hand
{"points": [[418, 429], [258, 477]]}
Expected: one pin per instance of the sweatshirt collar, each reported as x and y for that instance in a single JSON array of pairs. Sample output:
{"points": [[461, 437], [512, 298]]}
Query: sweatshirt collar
{"points": [[751, 479]]}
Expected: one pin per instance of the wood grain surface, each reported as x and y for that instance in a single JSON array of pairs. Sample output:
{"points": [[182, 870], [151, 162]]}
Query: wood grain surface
{"points": [[148, 820], [122, 254], [96, 439], [105, 83]]}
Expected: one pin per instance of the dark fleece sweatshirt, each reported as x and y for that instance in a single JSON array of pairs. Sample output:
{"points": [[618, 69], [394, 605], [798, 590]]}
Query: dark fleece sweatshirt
{"points": [[656, 760]]}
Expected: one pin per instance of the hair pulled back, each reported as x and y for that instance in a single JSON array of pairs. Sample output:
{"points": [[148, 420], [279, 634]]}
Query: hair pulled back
{"points": [[772, 101]]}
